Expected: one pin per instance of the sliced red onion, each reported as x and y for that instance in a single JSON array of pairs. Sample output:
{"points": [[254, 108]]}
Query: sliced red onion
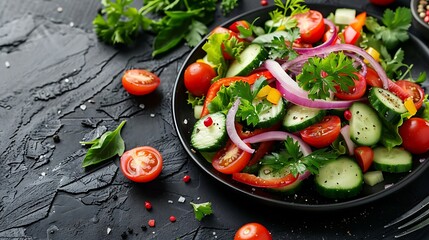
{"points": [[306, 102], [279, 136], [305, 175], [328, 42], [277, 71], [232, 132], [358, 60], [342, 47], [345, 132]]}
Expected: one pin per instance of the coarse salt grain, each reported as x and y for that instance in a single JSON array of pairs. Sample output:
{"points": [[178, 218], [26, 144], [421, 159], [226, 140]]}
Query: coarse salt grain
{"points": [[152, 115], [181, 199], [59, 9], [108, 230], [7, 64], [71, 24], [83, 107], [185, 121], [170, 201], [142, 106]]}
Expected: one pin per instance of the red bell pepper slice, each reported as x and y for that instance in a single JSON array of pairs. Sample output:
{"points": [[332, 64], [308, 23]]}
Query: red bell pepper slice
{"points": [[255, 181]]}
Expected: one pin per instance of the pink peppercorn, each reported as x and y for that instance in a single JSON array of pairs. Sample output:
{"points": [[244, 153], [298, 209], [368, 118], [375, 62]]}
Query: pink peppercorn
{"points": [[172, 218], [186, 178]]}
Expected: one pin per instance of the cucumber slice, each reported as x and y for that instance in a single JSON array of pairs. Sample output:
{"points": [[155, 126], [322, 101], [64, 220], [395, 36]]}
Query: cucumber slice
{"points": [[268, 38], [372, 178], [344, 16], [250, 59], [396, 160], [365, 125], [197, 111], [298, 117], [211, 138], [340, 178], [271, 114], [266, 172], [387, 104]]}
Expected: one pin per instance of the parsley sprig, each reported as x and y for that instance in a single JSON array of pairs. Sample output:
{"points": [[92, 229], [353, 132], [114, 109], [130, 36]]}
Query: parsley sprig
{"points": [[286, 10], [319, 76], [180, 20], [297, 163]]}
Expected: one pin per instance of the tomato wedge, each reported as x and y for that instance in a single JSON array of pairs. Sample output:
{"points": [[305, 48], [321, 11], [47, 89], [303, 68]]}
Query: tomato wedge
{"points": [[355, 92], [241, 23], [311, 26], [141, 164], [372, 78], [255, 181], [322, 134], [364, 156], [414, 90], [230, 159], [139, 81]]}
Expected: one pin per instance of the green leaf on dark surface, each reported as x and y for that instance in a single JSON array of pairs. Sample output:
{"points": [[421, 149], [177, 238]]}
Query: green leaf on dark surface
{"points": [[202, 209], [107, 146]]}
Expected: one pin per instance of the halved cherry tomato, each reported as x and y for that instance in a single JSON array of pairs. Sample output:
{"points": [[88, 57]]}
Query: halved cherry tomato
{"points": [[197, 78], [322, 134], [311, 26], [364, 156], [255, 181], [355, 92], [253, 231], [139, 81], [372, 78], [415, 90], [141, 164], [381, 2], [243, 134], [415, 135], [242, 23], [214, 88], [230, 159]]}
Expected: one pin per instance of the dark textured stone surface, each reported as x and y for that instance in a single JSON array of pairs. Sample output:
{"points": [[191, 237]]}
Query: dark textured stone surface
{"points": [[62, 81]]}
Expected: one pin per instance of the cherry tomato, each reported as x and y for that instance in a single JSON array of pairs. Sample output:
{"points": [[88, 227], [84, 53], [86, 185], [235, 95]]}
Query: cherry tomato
{"points": [[364, 156], [140, 82], [322, 134], [372, 78], [264, 2], [198, 78], [355, 92], [253, 231], [415, 135], [311, 26], [141, 164], [415, 90], [230, 159], [381, 2], [236, 24], [351, 36]]}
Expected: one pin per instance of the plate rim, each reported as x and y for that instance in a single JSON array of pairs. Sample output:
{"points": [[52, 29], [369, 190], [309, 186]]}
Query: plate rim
{"points": [[347, 204]]}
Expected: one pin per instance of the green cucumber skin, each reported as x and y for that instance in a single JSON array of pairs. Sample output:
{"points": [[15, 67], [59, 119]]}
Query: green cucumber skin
{"points": [[334, 171], [305, 121], [365, 125], [261, 56], [218, 142], [265, 172], [265, 123], [387, 114], [395, 160]]}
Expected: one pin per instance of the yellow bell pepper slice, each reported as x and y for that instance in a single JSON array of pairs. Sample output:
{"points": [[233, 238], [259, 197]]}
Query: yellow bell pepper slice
{"points": [[274, 96], [410, 106], [264, 91], [374, 54]]}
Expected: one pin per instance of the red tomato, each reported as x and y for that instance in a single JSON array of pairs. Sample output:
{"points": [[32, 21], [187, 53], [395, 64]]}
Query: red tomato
{"points": [[230, 159], [198, 78], [355, 92], [322, 134], [415, 135], [140, 82], [141, 164], [364, 156], [351, 36], [415, 90], [381, 2], [311, 26], [372, 78], [241, 23], [253, 231]]}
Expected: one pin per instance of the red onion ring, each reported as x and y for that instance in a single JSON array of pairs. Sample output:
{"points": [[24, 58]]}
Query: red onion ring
{"points": [[232, 132], [306, 102], [328, 42], [345, 132], [277, 71]]}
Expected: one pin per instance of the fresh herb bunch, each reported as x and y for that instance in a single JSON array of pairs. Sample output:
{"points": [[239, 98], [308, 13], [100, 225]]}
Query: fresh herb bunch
{"points": [[182, 20], [319, 76], [297, 163]]}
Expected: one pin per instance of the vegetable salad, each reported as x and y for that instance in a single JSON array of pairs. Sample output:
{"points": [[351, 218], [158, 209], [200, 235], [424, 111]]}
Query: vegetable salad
{"points": [[307, 97]]}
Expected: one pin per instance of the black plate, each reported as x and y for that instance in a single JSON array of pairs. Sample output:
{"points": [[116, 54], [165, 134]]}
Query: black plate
{"points": [[307, 198]]}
